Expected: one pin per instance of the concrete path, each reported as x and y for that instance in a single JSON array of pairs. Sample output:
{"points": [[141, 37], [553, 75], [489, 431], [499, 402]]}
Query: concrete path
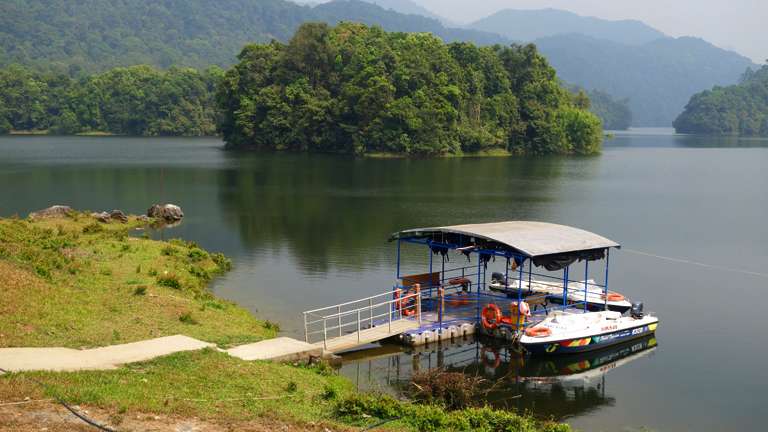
{"points": [[111, 357], [278, 349]]}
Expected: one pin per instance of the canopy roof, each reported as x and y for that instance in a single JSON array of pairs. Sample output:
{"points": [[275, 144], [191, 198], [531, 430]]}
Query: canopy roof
{"points": [[533, 239]]}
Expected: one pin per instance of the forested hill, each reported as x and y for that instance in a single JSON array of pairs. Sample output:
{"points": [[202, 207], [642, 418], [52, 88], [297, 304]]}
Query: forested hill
{"points": [[529, 25], [735, 110], [657, 77], [95, 35], [354, 89]]}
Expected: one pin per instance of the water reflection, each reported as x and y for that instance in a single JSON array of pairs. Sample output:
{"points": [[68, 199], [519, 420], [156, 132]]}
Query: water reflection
{"points": [[331, 212], [549, 387]]}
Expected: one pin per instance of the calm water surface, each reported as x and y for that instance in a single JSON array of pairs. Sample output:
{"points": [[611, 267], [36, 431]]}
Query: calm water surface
{"points": [[306, 231]]}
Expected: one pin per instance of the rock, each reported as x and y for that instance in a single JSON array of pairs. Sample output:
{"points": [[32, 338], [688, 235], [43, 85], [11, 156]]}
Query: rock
{"points": [[143, 218], [102, 217], [118, 215], [51, 212], [167, 212]]}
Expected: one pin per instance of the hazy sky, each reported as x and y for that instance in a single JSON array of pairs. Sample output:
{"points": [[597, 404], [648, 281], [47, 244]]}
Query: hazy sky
{"points": [[740, 25]]}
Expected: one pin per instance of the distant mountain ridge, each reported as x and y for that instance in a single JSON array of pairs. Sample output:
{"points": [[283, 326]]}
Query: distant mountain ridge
{"points": [[658, 77], [529, 25]]}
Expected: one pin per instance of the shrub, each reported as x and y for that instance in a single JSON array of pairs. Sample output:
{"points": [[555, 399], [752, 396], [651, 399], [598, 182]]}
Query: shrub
{"points": [[140, 290], [197, 254], [453, 390], [199, 273], [93, 228], [168, 250], [187, 318], [170, 280], [224, 263]]}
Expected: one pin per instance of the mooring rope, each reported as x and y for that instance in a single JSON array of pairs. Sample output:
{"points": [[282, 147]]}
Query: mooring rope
{"points": [[686, 261]]}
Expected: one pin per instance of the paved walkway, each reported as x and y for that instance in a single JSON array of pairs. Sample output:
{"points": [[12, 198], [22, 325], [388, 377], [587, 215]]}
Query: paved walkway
{"points": [[111, 357]]}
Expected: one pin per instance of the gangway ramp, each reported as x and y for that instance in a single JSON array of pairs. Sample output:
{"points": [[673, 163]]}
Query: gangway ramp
{"points": [[346, 326]]}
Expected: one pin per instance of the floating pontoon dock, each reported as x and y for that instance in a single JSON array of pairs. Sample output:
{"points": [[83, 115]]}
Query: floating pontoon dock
{"points": [[449, 301]]}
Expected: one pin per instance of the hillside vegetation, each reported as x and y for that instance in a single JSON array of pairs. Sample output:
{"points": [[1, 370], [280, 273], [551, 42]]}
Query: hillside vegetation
{"points": [[95, 35], [137, 100], [360, 90], [740, 109], [626, 59]]}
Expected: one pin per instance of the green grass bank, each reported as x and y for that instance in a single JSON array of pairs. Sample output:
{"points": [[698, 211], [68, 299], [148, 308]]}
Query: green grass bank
{"points": [[72, 281]]}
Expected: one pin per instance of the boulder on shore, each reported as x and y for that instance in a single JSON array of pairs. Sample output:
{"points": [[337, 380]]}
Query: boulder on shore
{"points": [[102, 217], [118, 215], [51, 212], [166, 212]]}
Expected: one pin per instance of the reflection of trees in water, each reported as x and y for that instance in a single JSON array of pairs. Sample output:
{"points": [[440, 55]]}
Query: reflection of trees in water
{"points": [[328, 209]]}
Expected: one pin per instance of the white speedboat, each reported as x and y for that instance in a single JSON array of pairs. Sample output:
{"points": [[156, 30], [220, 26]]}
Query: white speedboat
{"points": [[563, 332]]}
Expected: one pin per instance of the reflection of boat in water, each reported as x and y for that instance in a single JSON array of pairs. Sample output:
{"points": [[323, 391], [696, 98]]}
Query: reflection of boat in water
{"points": [[587, 366]]}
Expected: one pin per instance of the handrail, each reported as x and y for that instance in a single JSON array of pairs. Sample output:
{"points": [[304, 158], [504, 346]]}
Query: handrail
{"points": [[389, 293], [366, 315]]}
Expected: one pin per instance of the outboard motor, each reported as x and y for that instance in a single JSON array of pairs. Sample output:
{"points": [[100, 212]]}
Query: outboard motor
{"points": [[497, 277], [637, 310]]}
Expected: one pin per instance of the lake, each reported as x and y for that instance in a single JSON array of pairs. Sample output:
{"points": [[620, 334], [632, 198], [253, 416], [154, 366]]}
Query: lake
{"points": [[310, 230]]}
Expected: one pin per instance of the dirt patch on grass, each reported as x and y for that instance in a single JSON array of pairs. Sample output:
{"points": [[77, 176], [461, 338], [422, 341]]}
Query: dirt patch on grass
{"points": [[51, 417]]}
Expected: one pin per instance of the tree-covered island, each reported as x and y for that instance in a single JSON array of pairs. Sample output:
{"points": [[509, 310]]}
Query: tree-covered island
{"points": [[740, 109], [354, 89]]}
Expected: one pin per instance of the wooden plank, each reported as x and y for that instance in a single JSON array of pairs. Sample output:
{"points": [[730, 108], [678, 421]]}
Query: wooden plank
{"points": [[375, 334], [424, 279]]}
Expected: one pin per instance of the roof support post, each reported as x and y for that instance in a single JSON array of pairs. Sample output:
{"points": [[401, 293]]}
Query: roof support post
{"points": [[429, 252], [586, 278], [607, 264], [565, 287], [519, 287], [477, 288]]}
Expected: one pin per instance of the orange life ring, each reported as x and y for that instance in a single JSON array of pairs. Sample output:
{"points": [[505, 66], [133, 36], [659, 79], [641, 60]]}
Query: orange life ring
{"points": [[406, 302], [491, 316], [538, 331], [613, 296]]}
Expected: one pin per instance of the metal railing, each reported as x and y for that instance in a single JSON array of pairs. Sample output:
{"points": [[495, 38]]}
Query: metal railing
{"points": [[323, 324]]}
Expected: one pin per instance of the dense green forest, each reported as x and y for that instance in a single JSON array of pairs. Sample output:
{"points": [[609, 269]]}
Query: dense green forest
{"points": [[95, 35], [137, 100], [740, 109], [77, 37], [355, 89]]}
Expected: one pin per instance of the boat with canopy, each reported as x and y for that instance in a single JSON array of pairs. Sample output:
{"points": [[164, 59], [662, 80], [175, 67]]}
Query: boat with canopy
{"points": [[550, 312]]}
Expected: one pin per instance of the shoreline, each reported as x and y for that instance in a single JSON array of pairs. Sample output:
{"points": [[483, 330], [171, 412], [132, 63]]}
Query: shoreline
{"points": [[73, 281]]}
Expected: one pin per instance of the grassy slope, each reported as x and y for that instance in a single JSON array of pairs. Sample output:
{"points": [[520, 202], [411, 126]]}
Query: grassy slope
{"points": [[74, 282], [66, 287]]}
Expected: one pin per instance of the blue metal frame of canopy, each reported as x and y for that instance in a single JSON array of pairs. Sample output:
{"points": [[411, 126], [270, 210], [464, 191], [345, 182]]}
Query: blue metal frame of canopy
{"points": [[552, 246]]}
